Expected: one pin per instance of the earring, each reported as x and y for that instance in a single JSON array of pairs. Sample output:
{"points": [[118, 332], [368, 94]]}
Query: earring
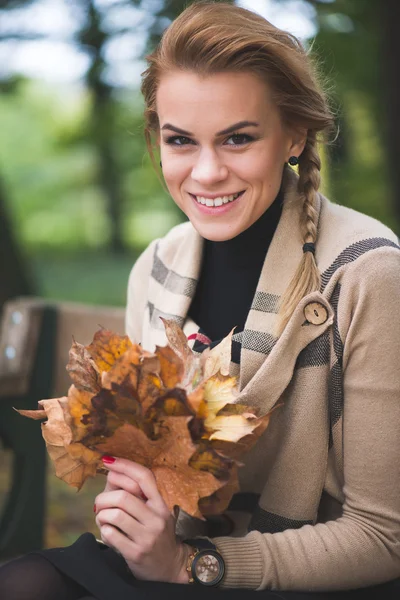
{"points": [[160, 164], [293, 161]]}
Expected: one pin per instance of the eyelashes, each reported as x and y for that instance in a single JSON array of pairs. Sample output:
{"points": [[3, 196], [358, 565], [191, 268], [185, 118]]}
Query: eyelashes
{"points": [[180, 140]]}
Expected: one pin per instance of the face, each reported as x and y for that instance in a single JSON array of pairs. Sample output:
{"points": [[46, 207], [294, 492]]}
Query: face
{"points": [[223, 147]]}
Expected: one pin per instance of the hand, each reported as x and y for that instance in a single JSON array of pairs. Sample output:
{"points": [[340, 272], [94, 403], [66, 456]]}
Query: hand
{"points": [[135, 521]]}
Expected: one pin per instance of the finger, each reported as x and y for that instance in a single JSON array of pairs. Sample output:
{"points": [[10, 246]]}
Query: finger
{"points": [[144, 477], [124, 501], [117, 540], [117, 481], [122, 521]]}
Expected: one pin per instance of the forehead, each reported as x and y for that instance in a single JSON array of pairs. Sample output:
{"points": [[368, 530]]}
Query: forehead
{"points": [[218, 98]]}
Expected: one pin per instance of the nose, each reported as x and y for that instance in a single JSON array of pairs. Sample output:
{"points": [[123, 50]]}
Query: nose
{"points": [[208, 168]]}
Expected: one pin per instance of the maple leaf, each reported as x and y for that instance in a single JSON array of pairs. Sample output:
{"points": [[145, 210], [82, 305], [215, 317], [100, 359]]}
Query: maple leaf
{"points": [[173, 411], [168, 457], [73, 462], [86, 363]]}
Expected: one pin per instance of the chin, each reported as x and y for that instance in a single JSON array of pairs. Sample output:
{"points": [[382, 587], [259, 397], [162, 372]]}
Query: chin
{"points": [[216, 234]]}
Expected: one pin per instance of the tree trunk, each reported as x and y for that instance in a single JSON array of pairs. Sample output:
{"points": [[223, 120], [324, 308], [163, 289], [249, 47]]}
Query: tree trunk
{"points": [[14, 276], [103, 126], [390, 18]]}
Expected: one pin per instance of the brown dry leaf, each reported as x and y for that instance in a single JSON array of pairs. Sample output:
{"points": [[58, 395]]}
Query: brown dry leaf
{"points": [[219, 501], [177, 339], [179, 344], [137, 373], [107, 347], [171, 366], [197, 402], [82, 369], [38, 415], [79, 404], [127, 366], [172, 411], [168, 457], [73, 462]]}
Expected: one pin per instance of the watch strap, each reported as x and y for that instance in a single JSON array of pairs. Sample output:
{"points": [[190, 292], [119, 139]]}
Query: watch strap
{"points": [[201, 543]]}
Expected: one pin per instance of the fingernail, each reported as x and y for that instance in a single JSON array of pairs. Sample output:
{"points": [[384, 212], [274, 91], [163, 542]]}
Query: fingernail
{"points": [[94, 508], [108, 459]]}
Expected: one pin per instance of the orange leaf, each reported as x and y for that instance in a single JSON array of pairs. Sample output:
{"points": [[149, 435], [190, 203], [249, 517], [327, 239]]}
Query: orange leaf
{"points": [[172, 411], [168, 457], [171, 366], [107, 347], [73, 462]]}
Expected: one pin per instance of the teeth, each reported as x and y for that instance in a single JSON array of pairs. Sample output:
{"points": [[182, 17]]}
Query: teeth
{"points": [[217, 201]]}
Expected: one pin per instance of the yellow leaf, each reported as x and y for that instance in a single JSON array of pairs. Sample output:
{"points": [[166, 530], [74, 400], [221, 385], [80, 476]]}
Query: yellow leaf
{"points": [[230, 428], [107, 347], [219, 391]]}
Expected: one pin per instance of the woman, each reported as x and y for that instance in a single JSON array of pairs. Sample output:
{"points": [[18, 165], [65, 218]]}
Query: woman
{"points": [[313, 290]]}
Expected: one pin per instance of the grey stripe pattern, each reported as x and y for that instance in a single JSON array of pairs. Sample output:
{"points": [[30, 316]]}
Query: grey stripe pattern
{"points": [[337, 340], [351, 253], [258, 341], [335, 381], [155, 315], [173, 282], [267, 522], [316, 354], [335, 393], [268, 303]]}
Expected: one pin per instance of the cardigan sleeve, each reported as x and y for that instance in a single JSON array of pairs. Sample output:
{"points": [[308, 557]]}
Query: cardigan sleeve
{"points": [[362, 547], [137, 293]]}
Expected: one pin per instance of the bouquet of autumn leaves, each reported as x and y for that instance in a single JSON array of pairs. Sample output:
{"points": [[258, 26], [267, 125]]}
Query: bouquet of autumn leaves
{"points": [[173, 411]]}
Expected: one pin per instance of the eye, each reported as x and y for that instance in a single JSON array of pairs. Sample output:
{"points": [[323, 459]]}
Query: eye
{"points": [[178, 140], [240, 139]]}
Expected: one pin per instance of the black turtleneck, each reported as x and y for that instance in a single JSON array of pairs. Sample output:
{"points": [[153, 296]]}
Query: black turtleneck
{"points": [[229, 275]]}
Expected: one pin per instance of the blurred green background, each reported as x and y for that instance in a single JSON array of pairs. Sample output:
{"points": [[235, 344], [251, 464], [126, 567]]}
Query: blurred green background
{"points": [[79, 198]]}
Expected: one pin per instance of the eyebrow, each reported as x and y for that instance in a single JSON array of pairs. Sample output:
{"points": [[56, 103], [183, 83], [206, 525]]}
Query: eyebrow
{"points": [[230, 129]]}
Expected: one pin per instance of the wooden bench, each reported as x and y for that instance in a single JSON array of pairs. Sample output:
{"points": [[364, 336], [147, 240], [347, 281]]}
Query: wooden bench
{"points": [[35, 337]]}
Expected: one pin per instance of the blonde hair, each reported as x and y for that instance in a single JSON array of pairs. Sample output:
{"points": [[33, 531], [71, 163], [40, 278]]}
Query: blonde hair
{"points": [[212, 37]]}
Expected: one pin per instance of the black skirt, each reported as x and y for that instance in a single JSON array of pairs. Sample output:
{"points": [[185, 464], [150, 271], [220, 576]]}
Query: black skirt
{"points": [[105, 575]]}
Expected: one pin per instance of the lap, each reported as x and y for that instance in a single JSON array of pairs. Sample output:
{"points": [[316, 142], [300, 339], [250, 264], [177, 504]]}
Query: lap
{"points": [[90, 571]]}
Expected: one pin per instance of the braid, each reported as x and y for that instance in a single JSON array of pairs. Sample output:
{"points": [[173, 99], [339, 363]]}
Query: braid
{"points": [[307, 277]]}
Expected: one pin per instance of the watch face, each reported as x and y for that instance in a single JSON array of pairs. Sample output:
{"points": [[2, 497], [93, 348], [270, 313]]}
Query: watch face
{"points": [[208, 567]]}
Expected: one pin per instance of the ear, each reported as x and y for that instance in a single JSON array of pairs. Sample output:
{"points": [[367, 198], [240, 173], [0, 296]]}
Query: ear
{"points": [[298, 139]]}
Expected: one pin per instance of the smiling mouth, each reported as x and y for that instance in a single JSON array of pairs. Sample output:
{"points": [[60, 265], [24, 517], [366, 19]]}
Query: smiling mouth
{"points": [[217, 201]]}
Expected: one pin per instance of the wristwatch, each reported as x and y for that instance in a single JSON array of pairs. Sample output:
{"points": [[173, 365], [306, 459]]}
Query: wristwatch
{"points": [[205, 564]]}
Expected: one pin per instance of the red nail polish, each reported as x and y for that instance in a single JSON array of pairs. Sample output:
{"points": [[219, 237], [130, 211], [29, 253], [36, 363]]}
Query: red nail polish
{"points": [[94, 508], [108, 459]]}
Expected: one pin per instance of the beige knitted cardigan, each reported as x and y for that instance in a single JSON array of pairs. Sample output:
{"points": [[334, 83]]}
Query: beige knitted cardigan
{"points": [[328, 467]]}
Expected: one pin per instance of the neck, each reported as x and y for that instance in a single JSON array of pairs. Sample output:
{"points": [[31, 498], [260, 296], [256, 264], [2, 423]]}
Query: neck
{"points": [[251, 245]]}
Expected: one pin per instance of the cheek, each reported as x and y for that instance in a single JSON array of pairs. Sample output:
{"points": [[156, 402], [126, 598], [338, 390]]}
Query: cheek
{"points": [[175, 174]]}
